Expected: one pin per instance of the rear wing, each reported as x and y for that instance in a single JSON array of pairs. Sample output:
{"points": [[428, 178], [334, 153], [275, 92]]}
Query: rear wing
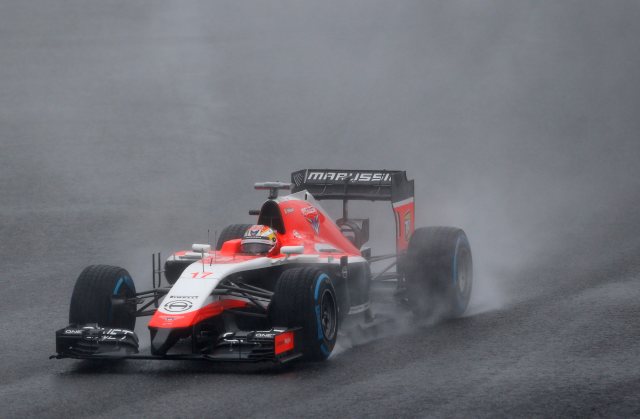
{"points": [[364, 185]]}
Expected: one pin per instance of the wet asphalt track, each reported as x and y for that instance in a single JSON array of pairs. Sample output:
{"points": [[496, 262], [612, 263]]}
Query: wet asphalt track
{"points": [[567, 347], [107, 118]]}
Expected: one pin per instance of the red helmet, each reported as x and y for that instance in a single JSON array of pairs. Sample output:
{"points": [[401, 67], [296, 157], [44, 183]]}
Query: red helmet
{"points": [[258, 239]]}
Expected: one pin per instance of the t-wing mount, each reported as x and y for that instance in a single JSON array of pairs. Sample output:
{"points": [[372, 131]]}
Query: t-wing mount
{"points": [[272, 187]]}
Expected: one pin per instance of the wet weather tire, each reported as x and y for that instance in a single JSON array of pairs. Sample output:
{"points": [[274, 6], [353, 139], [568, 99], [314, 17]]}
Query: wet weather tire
{"points": [[99, 297], [439, 272], [231, 232], [305, 297]]}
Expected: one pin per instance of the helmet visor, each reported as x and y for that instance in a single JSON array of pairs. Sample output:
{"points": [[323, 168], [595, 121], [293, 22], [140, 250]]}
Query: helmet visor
{"points": [[256, 248]]}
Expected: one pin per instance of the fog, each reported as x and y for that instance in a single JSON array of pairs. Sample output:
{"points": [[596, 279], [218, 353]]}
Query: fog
{"points": [[134, 126], [139, 125]]}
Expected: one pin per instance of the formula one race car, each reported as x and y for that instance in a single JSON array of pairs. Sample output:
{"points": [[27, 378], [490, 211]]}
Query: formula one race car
{"points": [[278, 290]]}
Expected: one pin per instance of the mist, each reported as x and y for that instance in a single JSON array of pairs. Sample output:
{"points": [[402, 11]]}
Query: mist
{"points": [[132, 127], [518, 121]]}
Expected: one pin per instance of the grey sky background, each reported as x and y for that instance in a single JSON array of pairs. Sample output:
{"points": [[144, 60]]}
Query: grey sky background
{"points": [[519, 120]]}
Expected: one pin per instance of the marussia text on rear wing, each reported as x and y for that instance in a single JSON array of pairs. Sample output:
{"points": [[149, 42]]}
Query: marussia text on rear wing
{"points": [[368, 185]]}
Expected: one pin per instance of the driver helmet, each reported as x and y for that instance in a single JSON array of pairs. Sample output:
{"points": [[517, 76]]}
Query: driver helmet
{"points": [[258, 239]]}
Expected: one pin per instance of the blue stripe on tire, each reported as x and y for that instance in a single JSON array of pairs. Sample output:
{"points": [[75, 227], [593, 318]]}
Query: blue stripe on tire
{"points": [[320, 279], [123, 280], [118, 285], [317, 291]]}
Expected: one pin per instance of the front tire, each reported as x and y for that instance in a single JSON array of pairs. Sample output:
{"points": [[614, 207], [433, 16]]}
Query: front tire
{"points": [[439, 272], [100, 295], [305, 297]]}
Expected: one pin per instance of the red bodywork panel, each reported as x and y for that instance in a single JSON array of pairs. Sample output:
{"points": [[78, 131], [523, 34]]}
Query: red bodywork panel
{"points": [[284, 342], [306, 225], [404, 211]]}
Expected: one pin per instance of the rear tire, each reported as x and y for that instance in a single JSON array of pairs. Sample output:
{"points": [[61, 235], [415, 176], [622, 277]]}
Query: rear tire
{"points": [[92, 299], [439, 272], [305, 297], [231, 232]]}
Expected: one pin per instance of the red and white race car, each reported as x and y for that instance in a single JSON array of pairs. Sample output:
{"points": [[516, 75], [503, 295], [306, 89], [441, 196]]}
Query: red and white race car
{"points": [[279, 289]]}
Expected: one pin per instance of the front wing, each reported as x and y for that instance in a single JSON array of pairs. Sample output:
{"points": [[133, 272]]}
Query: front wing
{"points": [[277, 345]]}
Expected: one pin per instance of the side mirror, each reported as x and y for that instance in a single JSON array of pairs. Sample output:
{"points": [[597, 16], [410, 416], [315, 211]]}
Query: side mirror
{"points": [[292, 250], [201, 248]]}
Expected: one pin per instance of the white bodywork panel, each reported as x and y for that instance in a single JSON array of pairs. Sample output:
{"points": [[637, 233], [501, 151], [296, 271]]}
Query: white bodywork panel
{"points": [[198, 280]]}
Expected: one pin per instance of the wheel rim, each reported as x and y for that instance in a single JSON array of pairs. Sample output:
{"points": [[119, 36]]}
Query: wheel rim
{"points": [[328, 315]]}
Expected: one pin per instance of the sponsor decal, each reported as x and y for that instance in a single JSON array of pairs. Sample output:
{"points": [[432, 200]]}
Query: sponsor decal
{"points": [[115, 334], [407, 224], [350, 177], [284, 342], [298, 178], [288, 210], [177, 306], [297, 234], [311, 215], [264, 335], [200, 275], [73, 331], [184, 297]]}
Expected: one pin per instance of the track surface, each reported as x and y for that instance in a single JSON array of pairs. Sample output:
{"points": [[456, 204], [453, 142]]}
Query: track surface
{"points": [[123, 122]]}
